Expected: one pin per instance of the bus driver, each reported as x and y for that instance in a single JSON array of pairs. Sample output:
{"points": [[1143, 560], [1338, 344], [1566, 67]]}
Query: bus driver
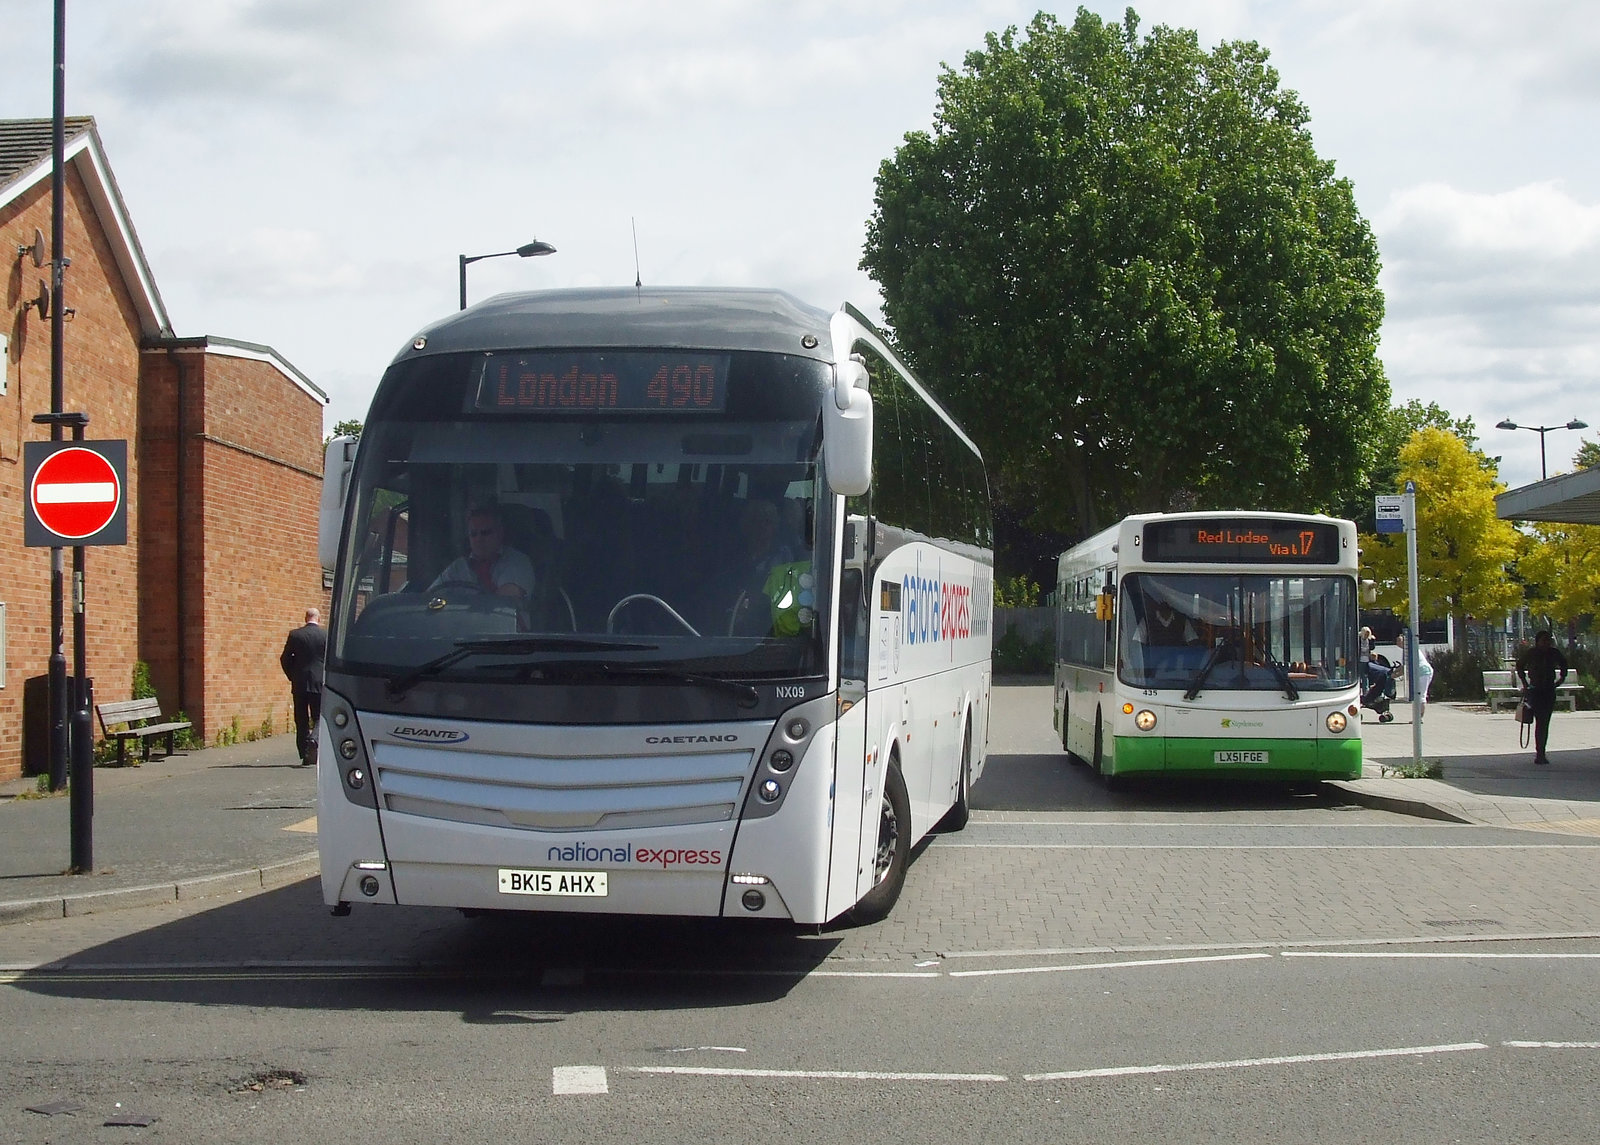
{"points": [[490, 564], [1161, 633]]}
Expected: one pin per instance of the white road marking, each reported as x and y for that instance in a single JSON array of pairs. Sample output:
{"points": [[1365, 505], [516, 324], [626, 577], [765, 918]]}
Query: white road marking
{"points": [[1106, 965], [817, 1074], [1510, 954], [1413, 940], [578, 1079], [1553, 1045], [1292, 1059]]}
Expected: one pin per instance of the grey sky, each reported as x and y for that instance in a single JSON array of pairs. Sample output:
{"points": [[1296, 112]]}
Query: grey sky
{"points": [[305, 172]]}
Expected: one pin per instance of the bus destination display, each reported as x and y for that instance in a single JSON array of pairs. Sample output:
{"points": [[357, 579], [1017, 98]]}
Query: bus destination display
{"points": [[1231, 540], [589, 382]]}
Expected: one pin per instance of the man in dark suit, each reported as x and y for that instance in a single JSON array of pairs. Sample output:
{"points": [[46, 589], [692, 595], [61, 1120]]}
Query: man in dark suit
{"points": [[303, 655]]}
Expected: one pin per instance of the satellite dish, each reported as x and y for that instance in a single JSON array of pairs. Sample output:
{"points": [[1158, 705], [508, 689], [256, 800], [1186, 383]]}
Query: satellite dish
{"points": [[37, 249]]}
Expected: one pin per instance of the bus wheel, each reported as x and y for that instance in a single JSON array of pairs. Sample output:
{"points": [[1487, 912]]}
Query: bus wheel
{"points": [[892, 853], [1106, 777], [961, 811], [1066, 740]]}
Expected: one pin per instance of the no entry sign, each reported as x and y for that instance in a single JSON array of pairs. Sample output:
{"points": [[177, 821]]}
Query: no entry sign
{"points": [[77, 493]]}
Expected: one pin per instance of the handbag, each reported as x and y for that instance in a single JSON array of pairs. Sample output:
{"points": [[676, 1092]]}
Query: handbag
{"points": [[1524, 722]]}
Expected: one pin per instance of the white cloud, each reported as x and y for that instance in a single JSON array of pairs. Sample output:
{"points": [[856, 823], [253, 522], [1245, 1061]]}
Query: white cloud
{"points": [[1494, 310]]}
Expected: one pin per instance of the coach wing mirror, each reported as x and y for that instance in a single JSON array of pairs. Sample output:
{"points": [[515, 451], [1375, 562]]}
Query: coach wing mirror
{"points": [[336, 465], [1369, 592], [847, 431]]}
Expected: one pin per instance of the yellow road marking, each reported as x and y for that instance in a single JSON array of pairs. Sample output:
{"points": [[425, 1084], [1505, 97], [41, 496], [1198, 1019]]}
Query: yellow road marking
{"points": [[1564, 826], [306, 826]]}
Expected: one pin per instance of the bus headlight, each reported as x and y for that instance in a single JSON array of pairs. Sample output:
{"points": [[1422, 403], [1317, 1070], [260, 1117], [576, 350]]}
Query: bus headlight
{"points": [[1145, 720], [1336, 722]]}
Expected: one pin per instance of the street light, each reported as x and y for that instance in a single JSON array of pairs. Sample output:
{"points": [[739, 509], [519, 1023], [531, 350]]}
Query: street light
{"points": [[527, 250], [1541, 430]]}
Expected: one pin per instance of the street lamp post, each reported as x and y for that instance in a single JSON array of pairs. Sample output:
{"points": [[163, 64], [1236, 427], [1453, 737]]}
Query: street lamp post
{"points": [[527, 250], [1541, 430]]}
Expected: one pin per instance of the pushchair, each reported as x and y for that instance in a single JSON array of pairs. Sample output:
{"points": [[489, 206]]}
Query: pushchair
{"points": [[1377, 689]]}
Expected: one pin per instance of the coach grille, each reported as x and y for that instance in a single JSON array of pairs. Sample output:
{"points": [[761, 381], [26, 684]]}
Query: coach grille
{"points": [[546, 793]]}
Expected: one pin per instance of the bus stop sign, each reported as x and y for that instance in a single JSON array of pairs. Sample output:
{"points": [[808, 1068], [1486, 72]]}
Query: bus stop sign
{"points": [[77, 493], [1390, 513]]}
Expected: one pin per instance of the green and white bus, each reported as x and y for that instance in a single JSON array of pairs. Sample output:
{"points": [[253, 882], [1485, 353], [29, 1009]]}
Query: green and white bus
{"points": [[1219, 643]]}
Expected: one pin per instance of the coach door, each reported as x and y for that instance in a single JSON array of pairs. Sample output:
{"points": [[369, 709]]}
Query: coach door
{"points": [[851, 774]]}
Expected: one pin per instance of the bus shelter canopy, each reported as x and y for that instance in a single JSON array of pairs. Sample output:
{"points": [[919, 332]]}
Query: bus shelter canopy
{"points": [[1570, 499]]}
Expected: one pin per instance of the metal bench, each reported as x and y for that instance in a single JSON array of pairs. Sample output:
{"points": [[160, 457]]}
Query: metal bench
{"points": [[1503, 688], [129, 712]]}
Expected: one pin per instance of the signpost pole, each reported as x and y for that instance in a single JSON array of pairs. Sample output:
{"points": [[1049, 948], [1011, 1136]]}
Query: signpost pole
{"points": [[77, 493], [82, 790], [58, 263], [1416, 621]]}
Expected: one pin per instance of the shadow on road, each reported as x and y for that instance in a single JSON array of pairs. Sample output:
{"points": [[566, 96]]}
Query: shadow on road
{"points": [[283, 949], [1047, 782]]}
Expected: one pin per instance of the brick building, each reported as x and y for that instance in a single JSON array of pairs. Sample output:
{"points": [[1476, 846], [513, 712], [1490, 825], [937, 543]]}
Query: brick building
{"points": [[224, 470]]}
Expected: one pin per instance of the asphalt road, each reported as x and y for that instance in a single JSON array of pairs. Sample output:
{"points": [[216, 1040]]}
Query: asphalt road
{"points": [[1154, 964]]}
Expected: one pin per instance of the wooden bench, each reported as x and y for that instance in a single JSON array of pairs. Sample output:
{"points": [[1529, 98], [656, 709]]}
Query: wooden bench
{"points": [[1503, 688], [130, 711]]}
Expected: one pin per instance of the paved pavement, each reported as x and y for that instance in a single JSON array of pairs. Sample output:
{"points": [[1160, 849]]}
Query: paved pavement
{"points": [[225, 821]]}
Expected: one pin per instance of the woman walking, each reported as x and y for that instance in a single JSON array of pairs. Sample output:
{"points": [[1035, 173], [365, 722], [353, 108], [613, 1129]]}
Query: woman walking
{"points": [[1538, 668]]}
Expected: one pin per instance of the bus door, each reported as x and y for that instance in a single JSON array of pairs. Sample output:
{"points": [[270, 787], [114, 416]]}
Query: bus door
{"points": [[853, 740]]}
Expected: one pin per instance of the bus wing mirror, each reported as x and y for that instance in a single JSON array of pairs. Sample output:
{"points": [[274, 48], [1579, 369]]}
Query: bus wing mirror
{"points": [[847, 431], [1369, 592], [337, 462]]}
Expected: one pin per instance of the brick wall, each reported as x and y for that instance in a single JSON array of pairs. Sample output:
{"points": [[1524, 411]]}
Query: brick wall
{"points": [[261, 464], [100, 378], [221, 560]]}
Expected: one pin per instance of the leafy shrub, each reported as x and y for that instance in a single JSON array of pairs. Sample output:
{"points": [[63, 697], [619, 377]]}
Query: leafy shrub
{"points": [[1016, 592], [1459, 675], [1016, 656]]}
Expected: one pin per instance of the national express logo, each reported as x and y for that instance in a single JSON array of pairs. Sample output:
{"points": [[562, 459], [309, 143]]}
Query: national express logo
{"points": [[936, 611], [662, 857]]}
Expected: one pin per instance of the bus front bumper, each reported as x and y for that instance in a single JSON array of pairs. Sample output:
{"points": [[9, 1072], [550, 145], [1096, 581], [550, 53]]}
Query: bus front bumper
{"points": [[1277, 759]]}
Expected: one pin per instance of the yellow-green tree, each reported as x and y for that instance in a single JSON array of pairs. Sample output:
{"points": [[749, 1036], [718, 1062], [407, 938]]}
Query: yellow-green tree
{"points": [[1561, 568], [1463, 548]]}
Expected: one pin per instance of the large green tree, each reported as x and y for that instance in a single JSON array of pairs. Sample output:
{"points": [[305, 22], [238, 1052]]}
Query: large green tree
{"points": [[1122, 263], [1389, 433]]}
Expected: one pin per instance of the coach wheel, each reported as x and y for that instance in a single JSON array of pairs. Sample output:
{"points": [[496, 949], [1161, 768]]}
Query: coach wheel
{"points": [[961, 811], [892, 853]]}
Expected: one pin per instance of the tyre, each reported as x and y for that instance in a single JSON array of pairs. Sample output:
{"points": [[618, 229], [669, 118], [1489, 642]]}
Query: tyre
{"points": [[892, 853], [1072, 757], [1099, 758], [961, 811]]}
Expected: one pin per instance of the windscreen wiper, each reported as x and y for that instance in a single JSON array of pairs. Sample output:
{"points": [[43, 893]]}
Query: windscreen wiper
{"points": [[1205, 669], [402, 683], [747, 696], [1282, 673]]}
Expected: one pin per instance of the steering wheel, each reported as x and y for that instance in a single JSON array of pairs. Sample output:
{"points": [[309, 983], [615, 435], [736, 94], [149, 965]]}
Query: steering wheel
{"points": [[627, 600]]}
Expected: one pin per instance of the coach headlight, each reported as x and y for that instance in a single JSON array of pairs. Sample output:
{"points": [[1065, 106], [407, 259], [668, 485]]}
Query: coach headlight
{"points": [[1336, 722], [1145, 720]]}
